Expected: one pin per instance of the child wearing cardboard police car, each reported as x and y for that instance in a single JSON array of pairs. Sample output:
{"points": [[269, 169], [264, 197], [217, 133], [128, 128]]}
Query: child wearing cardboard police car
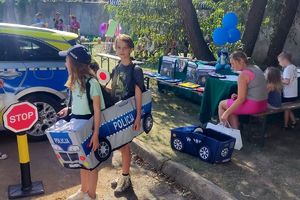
{"points": [[77, 62], [127, 81]]}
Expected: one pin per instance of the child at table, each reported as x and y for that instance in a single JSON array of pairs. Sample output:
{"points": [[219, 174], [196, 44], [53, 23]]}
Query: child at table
{"points": [[274, 87], [290, 86]]}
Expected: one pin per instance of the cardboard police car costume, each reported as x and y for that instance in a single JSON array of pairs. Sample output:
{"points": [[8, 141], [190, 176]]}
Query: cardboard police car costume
{"points": [[70, 140]]}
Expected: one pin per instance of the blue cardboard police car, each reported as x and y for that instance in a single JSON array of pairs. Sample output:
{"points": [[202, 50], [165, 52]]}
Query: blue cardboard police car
{"points": [[207, 144]]}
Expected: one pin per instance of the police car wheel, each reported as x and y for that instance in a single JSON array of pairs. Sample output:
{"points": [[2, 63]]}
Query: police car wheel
{"points": [[148, 123], [104, 150], [204, 153], [177, 144], [47, 110]]}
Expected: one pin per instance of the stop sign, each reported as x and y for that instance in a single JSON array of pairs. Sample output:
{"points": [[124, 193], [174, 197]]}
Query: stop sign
{"points": [[20, 117]]}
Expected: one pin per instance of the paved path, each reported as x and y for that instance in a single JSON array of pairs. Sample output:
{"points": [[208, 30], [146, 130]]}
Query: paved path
{"points": [[60, 183]]}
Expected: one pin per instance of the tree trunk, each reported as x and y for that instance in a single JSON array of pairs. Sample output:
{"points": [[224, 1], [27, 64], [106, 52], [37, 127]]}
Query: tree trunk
{"points": [[281, 32], [193, 31], [9, 8], [254, 20]]}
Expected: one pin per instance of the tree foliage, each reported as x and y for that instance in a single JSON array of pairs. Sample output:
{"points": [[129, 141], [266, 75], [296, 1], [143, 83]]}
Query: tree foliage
{"points": [[160, 19]]}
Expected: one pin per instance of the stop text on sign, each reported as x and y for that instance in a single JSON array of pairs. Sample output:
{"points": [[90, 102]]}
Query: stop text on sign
{"points": [[20, 117]]}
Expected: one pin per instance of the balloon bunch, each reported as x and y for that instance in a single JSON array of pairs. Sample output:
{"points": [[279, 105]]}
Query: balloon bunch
{"points": [[103, 27], [228, 32]]}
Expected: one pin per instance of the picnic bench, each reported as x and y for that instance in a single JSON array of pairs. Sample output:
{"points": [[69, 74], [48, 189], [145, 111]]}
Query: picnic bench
{"points": [[116, 59], [262, 119]]}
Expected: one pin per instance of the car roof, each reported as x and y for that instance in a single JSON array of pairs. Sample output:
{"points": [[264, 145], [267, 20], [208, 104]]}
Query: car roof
{"points": [[54, 37]]}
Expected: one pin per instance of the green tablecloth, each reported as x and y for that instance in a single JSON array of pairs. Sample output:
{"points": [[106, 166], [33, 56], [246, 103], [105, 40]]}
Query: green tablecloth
{"points": [[215, 91]]}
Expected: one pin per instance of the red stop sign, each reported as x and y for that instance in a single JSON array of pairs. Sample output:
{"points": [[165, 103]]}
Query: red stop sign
{"points": [[20, 117]]}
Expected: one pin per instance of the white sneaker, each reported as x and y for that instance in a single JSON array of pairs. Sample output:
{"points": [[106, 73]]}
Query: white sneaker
{"points": [[123, 184], [87, 197], [79, 195]]}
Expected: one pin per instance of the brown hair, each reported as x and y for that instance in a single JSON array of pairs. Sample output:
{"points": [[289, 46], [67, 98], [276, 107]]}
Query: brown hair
{"points": [[239, 56], [285, 55], [273, 76], [78, 73], [94, 66], [127, 39]]}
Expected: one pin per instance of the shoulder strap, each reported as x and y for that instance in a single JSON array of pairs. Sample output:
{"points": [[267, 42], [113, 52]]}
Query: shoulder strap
{"points": [[88, 95]]}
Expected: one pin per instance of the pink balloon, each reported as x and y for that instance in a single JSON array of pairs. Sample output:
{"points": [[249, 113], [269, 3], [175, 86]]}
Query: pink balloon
{"points": [[118, 30], [103, 28]]}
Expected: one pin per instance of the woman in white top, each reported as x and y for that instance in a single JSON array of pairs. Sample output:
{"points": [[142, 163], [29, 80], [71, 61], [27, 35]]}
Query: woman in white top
{"points": [[290, 86]]}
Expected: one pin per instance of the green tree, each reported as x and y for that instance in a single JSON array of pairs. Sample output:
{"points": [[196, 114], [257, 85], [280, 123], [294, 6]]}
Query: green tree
{"points": [[161, 21]]}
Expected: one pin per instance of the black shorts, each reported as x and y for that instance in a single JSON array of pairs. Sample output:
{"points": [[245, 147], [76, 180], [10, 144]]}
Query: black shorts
{"points": [[291, 99]]}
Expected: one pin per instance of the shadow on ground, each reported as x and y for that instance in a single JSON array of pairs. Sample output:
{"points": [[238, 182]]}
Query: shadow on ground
{"points": [[271, 172]]}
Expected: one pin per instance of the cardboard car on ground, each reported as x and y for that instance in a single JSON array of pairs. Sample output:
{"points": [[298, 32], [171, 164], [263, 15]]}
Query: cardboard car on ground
{"points": [[70, 140], [211, 146]]}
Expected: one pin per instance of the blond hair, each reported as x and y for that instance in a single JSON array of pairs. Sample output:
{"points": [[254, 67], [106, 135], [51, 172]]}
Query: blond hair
{"points": [[273, 77], [285, 55]]}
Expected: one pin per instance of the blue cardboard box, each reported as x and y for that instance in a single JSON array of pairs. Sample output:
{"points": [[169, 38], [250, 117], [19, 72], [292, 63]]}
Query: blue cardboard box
{"points": [[209, 145]]}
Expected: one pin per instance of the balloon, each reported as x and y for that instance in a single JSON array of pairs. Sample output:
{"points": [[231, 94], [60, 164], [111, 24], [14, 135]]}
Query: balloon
{"points": [[234, 35], [230, 20], [220, 36], [118, 30], [103, 28]]}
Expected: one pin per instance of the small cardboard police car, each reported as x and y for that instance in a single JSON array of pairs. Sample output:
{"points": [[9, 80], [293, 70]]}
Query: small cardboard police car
{"points": [[211, 146], [70, 140]]}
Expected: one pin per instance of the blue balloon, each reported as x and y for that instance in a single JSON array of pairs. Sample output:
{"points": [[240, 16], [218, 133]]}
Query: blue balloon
{"points": [[230, 20], [220, 36], [234, 35]]}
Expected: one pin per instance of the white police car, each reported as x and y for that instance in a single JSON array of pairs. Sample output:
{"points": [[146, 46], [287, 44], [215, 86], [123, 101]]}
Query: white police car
{"points": [[32, 70], [70, 140]]}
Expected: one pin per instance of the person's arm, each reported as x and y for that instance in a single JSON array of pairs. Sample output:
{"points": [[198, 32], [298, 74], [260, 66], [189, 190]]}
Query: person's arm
{"points": [[138, 105], [139, 87], [287, 75], [286, 81], [241, 97], [94, 143]]}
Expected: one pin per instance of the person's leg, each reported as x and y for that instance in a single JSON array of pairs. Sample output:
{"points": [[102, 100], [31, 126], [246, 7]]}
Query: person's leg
{"points": [[82, 192], [292, 117], [124, 182], [234, 121], [126, 159], [92, 183], [286, 118], [222, 108], [84, 177]]}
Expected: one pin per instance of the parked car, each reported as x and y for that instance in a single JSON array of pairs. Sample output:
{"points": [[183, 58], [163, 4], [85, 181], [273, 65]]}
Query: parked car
{"points": [[33, 71], [207, 144], [70, 140]]}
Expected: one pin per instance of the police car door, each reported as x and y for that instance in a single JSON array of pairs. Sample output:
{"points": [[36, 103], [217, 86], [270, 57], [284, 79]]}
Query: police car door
{"points": [[12, 70], [44, 66]]}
